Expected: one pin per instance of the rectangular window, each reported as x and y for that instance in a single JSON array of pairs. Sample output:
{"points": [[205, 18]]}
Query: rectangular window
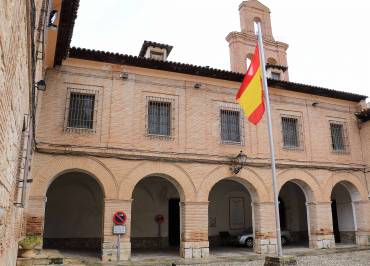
{"points": [[290, 131], [81, 110], [275, 75], [159, 118], [156, 55], [230, 126], [338, 140]]}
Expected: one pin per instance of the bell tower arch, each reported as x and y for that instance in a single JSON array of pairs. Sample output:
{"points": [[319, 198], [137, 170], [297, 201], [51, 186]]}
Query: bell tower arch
{"points": [[242, 44]]}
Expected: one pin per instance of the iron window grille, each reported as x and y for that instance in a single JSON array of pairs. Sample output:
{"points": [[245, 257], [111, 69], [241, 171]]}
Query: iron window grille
{"points": [[339, 138], [160, 117], [292, 132], [232, 126], [81, 110]]}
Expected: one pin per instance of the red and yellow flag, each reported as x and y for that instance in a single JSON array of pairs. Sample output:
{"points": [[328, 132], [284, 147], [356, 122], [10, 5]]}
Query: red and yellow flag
{"points": [[250, 94]]}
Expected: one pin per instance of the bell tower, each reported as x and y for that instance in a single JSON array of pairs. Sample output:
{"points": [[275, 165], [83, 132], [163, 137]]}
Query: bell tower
{"points": [[243, 43]]}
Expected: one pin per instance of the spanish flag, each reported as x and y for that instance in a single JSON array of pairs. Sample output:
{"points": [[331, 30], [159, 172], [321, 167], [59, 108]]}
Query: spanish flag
{"points": [[250, 94]]}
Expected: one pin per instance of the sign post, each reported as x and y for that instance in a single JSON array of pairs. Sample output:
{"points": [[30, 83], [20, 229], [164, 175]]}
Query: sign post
{"points": [[119, 228], [159, 219]]}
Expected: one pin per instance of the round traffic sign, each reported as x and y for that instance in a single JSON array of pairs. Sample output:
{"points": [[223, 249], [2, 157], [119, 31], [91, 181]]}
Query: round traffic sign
{"points": [[119, 218], [159, 219]]}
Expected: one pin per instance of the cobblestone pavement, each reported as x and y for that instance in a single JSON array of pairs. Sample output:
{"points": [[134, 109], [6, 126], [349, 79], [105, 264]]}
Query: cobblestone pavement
{"points": [[354, 258], [349, 257]]}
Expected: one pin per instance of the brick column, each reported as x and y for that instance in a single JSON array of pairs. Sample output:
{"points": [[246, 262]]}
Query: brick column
{"points": [[264, 228], [362, 222], [320, 225], [35, 216], [109, 250], [194, 230]]}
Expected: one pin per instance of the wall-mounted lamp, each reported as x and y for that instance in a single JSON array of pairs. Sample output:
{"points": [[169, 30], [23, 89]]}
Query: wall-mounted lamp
{"points": [[197, 85], [238, 162], [123, 75], [41, 85], [314, 104]]}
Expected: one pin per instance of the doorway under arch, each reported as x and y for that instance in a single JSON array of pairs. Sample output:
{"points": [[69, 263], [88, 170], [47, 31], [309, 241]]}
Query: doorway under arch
{"points": [[155, 216], [74, 213], [344, 223], [293, 215]]}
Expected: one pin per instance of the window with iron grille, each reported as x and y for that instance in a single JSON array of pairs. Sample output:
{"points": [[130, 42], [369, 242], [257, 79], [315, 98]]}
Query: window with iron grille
{"points": [[81, 109], [338, 137], [291, 132], [159, 118], [230, 126]]}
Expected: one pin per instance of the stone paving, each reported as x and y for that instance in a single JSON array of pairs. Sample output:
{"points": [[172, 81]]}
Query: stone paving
{"points": [[354, 258], [346, 256]]}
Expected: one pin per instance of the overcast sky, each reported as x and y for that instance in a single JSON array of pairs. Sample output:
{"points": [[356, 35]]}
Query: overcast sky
{"points": [[329, 40]]}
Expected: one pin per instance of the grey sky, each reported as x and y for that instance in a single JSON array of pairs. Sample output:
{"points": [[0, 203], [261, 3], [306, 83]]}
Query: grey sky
{"points": [[329, 40]]}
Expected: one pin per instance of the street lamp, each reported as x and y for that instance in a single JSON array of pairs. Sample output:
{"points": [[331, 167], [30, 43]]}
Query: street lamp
{"points": [[238, 161]]}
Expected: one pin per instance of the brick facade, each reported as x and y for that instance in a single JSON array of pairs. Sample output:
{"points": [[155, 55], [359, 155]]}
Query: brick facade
{"points": [[119, 152]]}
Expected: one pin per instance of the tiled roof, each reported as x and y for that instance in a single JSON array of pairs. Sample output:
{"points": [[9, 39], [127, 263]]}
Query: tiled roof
{"points": [[68, 16], [125, 59]]}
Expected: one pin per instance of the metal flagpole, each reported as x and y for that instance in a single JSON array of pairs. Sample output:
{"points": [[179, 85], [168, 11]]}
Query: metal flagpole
{"points": [[272, 150]]}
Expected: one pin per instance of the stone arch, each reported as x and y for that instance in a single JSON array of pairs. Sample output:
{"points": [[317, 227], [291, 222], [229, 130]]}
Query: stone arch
{"points": [[351, 182], [247, 177], [304, 180], [62, 164], [170, 171]]}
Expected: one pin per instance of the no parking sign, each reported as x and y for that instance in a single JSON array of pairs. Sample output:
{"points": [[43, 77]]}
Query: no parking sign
{"points": [[119, 218]]}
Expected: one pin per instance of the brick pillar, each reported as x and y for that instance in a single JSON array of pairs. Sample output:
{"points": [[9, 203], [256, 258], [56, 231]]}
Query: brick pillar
{"points": [[362, 222], [320, 225], [194, 230], [109, 250], [264, 228], [35, 215]]}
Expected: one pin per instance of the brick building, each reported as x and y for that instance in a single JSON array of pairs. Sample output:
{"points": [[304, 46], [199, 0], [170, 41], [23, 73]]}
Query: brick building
{"points": [[23, 35], [154, 137]]}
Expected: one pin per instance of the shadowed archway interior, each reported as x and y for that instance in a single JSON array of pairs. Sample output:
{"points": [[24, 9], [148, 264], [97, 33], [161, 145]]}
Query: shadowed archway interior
{"points": [[342, 214], [293, 214], [74, 213], [155, 197], [230, 213]]}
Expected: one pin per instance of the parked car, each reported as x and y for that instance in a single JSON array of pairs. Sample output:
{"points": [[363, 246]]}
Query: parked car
{"points": [[246, 238]]}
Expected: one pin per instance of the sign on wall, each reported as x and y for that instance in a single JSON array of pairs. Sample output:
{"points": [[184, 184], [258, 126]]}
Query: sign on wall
{"points": [[236, 213], [119, 218]]}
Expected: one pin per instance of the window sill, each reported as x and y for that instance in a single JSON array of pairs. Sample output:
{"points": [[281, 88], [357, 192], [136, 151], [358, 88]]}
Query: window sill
{"points": [[340, 152], [79, 130], [292, 148], [232, 143], [162, 137]]}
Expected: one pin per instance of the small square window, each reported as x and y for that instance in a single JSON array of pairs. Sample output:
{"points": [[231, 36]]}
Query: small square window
{"points": [[159, 118], [275, 75], [230, 126], [338, 137], [156, 55]]}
